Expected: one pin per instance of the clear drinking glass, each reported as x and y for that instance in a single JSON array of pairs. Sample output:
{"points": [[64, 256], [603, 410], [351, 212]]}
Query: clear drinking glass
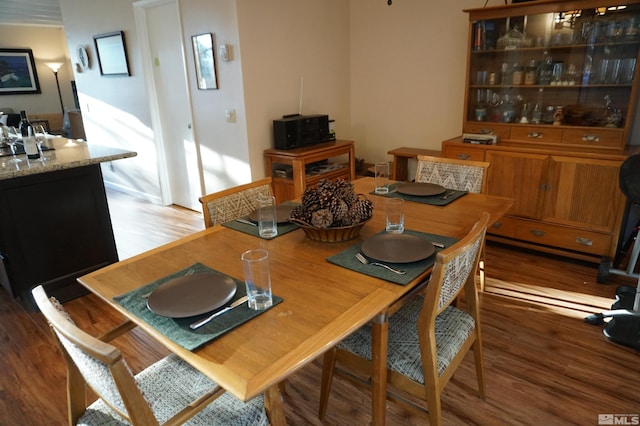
{"points": [[382, 178], [255, 266], [41, 138], [10, 136]]}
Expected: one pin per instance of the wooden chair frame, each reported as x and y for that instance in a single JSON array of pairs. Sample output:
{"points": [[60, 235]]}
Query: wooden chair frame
{"points": [[483, 187], [139, 411], [434, 304], [241, 197]]}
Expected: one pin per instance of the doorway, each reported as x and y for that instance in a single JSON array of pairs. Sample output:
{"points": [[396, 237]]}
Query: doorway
{"points": [[163, 56]]}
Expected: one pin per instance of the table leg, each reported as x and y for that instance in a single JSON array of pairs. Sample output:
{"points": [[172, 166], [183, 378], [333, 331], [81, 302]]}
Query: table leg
{"points": [[273, 406], [379, 340]]}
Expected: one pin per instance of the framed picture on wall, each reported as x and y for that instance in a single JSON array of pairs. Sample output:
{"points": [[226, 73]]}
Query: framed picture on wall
{"points": [[205, 61], [18, 72], [111, 51]]}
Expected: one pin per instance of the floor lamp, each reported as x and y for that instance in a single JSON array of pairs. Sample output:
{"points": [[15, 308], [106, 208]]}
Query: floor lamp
{"points": [[55, 66]]}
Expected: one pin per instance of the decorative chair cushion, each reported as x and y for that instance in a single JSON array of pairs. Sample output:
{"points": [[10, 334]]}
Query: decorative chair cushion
{"points": [[452, 328], [169, 385]]}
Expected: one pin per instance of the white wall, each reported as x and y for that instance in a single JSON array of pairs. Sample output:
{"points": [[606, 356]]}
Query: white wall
{"points": [[408, 67], [48, 45], [115, 110], [223, 147], [282, 41]]}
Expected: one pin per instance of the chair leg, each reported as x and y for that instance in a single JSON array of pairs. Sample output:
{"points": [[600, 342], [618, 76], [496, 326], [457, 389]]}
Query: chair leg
{"points": [[328, 365], [434, 406], [478, 358]]}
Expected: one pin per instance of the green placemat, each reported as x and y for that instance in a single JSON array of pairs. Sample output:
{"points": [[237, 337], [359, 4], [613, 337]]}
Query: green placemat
{"points": [[177, 329], [347, 259], [434, 200], [283, 228]]}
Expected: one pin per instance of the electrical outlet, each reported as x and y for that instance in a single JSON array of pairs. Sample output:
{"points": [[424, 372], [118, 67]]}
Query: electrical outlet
{"points": [[230, 115]]}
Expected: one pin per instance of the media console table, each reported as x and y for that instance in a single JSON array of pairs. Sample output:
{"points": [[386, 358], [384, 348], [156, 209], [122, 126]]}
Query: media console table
{"points": [[54, 219]]}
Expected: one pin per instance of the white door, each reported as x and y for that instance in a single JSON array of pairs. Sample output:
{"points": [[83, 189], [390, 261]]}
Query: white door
{"points": [[181, 179]]}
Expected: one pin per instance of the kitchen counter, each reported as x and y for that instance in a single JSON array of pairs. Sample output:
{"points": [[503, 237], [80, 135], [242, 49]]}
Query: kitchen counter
{"points": [[66, 154], [54, 219]]}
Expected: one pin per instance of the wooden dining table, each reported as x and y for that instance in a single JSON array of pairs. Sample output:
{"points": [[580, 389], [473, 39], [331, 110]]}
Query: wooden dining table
{"points": [[322, 302]]}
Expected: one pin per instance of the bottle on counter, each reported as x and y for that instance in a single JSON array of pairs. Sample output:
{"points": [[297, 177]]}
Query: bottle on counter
{"points": [[28, 137]]}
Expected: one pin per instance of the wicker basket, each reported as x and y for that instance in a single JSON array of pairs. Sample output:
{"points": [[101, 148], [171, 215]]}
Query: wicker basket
{"points": [[331, 235]]}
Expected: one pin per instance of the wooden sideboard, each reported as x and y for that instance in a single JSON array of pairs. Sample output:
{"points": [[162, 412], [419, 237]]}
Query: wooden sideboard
{"points": [[567, 202], [296, 169]]}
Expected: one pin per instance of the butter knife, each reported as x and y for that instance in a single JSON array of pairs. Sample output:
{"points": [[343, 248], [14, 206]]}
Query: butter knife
{"points": [[246, 222], [203, 321]]}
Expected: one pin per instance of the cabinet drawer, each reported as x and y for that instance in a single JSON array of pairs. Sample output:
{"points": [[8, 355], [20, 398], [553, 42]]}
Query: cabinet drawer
{"points": [[505, 227], [562, 237], [502, 131], [597, 137], [536, 134], [464, 152]]}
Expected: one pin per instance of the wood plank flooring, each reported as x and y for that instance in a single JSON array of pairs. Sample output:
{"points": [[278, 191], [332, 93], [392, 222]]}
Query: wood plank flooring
{"points": [[544, 365]]}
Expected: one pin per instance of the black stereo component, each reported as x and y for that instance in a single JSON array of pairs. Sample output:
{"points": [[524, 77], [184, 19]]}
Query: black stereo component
{"points": [[296, 131]]}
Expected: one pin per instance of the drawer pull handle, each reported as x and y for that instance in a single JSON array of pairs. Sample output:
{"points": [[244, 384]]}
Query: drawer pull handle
{"points": [[462, 156], [486, 131], [584, 241], [536, 135], [545, 187], [497, 225], [590, 138], [537, 232]]}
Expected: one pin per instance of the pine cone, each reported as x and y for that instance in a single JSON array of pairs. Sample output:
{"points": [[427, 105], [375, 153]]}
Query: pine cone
{"points": [[361, 210], [339, 209], [322, 218], [310, 200]]}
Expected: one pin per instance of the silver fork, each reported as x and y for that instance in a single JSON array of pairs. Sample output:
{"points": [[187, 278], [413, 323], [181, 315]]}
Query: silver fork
{"points": [[448, 194], [366, 261]]}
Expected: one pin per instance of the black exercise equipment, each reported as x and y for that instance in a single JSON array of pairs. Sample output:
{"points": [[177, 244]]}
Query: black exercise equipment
{"points": [[624, 326]]}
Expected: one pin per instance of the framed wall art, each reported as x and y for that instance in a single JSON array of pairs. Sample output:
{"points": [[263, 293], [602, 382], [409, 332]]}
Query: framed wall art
{"points": [[205, 61], [18, 72], [111, 51]]}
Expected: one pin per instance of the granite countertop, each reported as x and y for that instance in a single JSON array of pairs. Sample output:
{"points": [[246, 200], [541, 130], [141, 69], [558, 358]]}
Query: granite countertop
{"points": [[67, 154]]}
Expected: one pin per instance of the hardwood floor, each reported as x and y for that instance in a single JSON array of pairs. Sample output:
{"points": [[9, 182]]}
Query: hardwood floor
{"points": [[543, 364]]}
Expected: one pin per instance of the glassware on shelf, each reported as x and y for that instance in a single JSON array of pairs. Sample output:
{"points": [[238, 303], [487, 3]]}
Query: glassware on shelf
{"points": [[530, 75], [545, 70], [524, 114], [556, 73]]}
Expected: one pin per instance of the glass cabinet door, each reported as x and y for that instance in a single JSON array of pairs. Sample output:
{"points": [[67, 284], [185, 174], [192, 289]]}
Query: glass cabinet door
{"points": [[570, 68]]}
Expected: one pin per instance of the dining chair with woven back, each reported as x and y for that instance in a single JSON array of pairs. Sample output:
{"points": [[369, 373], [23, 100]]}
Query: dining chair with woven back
{"points": [[461, 175], [452, 173], [233, 203], [428, 337], [169, 392]]}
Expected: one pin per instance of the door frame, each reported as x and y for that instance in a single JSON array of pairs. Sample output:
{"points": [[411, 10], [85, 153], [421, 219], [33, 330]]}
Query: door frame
{"points": [[140, 14]]}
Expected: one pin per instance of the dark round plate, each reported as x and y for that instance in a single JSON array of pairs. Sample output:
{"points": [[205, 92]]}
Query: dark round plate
{"points": [[420, 189], [192, 295], [397, 248], [283, 212]]}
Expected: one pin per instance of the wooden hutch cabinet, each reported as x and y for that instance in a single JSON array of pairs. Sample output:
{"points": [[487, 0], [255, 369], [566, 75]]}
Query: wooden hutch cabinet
{"points": [[294, 170], [556, 81]]}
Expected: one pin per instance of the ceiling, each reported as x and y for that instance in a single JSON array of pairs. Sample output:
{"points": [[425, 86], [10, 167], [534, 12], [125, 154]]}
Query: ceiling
{"points": [[31, 12]]}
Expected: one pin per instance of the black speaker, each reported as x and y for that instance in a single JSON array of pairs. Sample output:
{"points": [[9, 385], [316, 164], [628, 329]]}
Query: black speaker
{"points": [[300, 130]]}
